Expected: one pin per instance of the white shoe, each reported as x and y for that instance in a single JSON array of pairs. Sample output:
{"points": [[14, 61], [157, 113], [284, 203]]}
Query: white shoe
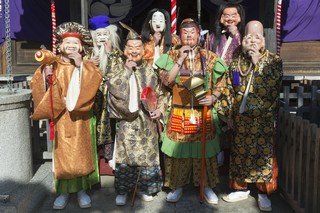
{"points": [[84, 199], [61, 201], [121, 200], [145, 197], [264, 202], [210, 196], [174, 195], [236, 196]]}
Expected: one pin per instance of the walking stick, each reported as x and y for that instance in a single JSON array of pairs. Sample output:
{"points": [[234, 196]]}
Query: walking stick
{"points": [[135, 188], [203, 153], [203, 138]]}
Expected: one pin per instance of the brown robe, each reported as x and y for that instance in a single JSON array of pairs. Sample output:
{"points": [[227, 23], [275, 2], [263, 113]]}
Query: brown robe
{"points": [[72, 140]]}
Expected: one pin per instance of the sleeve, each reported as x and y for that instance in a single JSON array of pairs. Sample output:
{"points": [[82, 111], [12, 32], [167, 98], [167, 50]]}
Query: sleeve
{"points": [[90, 82], [224, 104], [119, 90], [273, 89], [162, 96], [165, 64], [218, 70], [46, 100]]}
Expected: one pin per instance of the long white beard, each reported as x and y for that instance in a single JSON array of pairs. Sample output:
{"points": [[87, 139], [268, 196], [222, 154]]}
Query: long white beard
{"points": [[100, 52]]}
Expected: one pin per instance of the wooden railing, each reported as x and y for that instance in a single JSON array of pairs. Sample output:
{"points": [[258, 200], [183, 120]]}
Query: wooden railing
{"points": [[298, 146], [302, 103]]}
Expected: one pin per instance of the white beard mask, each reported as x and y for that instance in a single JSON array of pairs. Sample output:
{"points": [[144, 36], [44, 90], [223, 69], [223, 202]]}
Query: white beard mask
{"points": [[158, 22]]}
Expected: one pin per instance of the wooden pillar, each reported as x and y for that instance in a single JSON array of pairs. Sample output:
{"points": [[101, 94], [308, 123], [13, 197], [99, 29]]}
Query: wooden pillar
{"points": [[75, 11], [3, 59], [267, 16]]}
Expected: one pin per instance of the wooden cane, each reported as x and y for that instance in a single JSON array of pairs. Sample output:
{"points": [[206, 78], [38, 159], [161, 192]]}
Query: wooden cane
{"points": [[203, 153], [135, 189]]}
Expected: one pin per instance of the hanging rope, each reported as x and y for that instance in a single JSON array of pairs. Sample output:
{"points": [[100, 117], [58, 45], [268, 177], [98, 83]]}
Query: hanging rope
{"points": [[174, 16], [278, 26], [51, 80], [54, 26], [8, 45]]}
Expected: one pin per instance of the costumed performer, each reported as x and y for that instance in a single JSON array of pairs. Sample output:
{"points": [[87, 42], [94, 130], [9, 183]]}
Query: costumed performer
{"points": [[182, 138], [105, 40], [72, 85], [254, 81], [225, 41], [156, 35], [137, 138]]}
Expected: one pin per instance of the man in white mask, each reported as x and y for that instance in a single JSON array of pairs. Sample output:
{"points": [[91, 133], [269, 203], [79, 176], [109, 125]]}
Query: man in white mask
{"points": [[105, 39]]}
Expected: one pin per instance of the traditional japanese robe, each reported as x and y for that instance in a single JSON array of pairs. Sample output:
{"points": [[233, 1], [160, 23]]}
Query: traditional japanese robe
{"points": [[180, 134], [149, 47], [182, 138], [137, 136], [252, 151], [105, 125], [231, 49], [73, 141]]}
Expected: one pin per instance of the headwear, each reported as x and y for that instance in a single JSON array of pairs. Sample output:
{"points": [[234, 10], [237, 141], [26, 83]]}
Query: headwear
{"points": [[189, 22], [222, 2], [97, 22], [73, 29], [132, 35]]}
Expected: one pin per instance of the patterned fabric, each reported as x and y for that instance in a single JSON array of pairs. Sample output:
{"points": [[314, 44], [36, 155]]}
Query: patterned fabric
{"points": [[231, 51], [149, 48], [266, 187], [182, 140], [103, 120], [179, 171], [150, 179], [252, 149], [137, 136], [137, 139], [108, 151]]}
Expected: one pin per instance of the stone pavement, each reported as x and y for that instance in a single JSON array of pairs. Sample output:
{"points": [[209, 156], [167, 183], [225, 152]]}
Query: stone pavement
{"points": [[38, 196]]}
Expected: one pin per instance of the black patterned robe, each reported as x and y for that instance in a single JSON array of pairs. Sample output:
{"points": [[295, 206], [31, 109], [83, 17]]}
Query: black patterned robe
{"points": [[252, 150]]}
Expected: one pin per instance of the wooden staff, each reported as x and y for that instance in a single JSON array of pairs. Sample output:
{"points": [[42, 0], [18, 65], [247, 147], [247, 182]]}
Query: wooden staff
{"points": [[203, 152], [204, 138], [135, 188]]}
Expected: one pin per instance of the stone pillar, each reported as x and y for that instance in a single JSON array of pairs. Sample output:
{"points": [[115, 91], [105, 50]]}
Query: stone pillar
{"points": [[15, 138]]}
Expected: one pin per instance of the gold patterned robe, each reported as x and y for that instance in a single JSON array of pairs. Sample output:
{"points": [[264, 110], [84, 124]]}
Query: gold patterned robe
{"points": [[137, 136], [72, 140], [252, 151]]}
